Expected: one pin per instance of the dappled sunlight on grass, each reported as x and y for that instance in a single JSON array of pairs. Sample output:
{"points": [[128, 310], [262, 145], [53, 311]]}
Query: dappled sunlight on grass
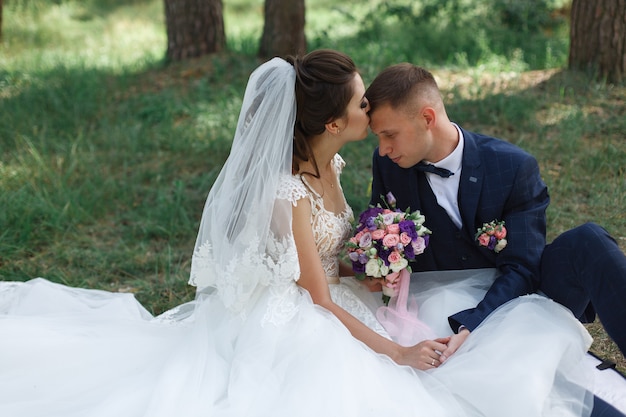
{"points": [[72, 34], [107, 154]]}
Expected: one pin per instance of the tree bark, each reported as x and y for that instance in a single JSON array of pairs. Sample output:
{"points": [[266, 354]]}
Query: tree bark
{"points": [[194, 28], [283, 30], [598, 38]]}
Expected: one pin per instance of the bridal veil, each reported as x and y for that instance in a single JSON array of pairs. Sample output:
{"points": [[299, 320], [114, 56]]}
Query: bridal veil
{"points": [[244, 242]]}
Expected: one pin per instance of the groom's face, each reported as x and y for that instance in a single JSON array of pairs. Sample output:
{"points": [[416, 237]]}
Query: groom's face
{"points": [[401, 135]]}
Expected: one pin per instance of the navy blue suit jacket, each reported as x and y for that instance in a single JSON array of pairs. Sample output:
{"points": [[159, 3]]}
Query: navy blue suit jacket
{"points": [[499, 181]]}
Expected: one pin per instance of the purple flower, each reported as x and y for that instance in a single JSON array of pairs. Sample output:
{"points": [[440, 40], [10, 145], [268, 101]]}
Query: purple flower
{"points": [[409, 252], [383, 253], [366, 240], [369, 213], [370, 223], [358, 267], [363, 259], [492, 242], [419, 245], [408, 227]]}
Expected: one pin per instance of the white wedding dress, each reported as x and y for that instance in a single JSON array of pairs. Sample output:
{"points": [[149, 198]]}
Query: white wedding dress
{"points": [[68, 352]]}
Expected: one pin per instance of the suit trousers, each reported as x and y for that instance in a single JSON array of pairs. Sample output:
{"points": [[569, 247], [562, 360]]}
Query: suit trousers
{"points": [[585, 270]]}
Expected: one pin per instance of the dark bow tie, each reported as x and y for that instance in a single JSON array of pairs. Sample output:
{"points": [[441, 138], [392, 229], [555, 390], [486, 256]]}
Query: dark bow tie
{"points": [[442, 172]]}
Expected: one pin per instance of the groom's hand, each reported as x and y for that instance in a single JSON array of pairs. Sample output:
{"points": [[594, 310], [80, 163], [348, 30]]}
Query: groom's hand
{"points": [[455, 342]]}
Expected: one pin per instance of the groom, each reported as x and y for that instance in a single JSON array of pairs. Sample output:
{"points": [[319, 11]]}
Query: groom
{"points": [[461, 181]]}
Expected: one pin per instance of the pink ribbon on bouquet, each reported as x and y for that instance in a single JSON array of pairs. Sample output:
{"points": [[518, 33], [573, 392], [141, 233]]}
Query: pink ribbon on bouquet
{"points": [[399, 318]]}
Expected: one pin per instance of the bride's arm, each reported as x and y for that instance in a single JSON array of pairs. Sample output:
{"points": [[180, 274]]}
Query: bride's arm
{"points": [[313, 279]]}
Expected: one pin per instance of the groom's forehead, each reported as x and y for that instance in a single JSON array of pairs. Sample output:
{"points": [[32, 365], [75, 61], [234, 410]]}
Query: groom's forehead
{"points": [[385, 119]]}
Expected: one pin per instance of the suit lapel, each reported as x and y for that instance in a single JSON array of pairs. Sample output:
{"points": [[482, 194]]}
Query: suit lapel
{"points": [[471, 183]]}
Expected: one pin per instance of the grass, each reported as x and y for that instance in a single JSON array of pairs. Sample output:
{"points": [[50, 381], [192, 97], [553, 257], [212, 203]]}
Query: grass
{"points": [[106, 155]]}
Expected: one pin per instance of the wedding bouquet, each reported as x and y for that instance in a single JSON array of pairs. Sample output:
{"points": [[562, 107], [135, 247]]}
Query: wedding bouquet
{"points": [[385, 240]]}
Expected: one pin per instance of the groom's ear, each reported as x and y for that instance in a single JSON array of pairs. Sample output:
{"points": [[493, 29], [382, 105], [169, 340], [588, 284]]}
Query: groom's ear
{"points": [[429, 116]]}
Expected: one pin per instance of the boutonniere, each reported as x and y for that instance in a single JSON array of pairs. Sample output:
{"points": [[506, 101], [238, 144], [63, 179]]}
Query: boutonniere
{"points": [[492, 236]]}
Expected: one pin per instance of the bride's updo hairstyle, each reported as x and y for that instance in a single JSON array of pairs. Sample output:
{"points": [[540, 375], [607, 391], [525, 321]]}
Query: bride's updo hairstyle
{"points": [[323, 92]]}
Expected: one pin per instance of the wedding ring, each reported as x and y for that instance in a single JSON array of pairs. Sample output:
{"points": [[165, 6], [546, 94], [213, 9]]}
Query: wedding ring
{"points": [[432, 363]]}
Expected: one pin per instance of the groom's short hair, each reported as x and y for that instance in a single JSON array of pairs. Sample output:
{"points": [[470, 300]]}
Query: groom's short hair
{"points": [[402, 86]]}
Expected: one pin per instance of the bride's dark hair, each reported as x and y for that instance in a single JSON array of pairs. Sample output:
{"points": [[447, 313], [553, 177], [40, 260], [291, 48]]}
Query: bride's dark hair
{"points": [[323, 90]]}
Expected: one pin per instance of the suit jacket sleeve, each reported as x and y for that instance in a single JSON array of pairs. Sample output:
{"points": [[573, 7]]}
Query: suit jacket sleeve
{"points": [[523, 211]]}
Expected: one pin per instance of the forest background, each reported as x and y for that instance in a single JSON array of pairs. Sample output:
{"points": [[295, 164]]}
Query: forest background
{"points": [[107, 153]]}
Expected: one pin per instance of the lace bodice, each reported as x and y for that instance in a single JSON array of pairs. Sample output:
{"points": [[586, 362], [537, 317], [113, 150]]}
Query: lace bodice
{"points": [[330, 230]]}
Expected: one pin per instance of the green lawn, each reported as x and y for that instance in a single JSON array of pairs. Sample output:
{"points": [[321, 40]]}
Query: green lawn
{"points": [[106, 155]]}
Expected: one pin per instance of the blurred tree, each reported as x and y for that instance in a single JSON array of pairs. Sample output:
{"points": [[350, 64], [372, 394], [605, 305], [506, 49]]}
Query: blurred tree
{"points": [[598, 38], [0, 19], [194, 28], [283, 29]]}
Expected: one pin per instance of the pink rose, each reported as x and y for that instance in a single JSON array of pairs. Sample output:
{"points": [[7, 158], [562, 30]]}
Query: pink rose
{"points": [[391, 240], [394, 257], [500, 232], [484, 239], [354, 240], [405, 239], [378, 234], [358, 235], [393, 228]]}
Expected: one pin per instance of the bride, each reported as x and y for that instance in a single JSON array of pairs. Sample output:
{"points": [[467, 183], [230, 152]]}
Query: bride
{"points": [[276, 328]]}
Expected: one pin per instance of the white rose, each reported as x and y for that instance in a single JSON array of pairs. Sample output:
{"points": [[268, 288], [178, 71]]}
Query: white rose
{"points": [[384, 270], [372, 269], [500, 245]]}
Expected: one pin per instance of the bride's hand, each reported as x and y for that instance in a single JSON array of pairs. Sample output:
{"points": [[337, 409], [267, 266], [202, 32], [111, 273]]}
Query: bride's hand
{"points": [[373, 284], [425, 355]]}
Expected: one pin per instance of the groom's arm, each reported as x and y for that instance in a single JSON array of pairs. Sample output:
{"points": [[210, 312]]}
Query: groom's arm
{"points": [[518, 263]]}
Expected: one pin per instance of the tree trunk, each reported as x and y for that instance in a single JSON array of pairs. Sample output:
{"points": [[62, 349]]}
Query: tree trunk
{"points": [[598, 38], [0, 19], [194, 28], [283, 31]]}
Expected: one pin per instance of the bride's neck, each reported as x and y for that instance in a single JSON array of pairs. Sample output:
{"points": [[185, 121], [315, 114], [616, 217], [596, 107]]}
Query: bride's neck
{"points": [[324, 151]]}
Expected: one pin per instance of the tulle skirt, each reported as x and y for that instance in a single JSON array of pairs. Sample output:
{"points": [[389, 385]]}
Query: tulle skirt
{"points": [[74, 352]]}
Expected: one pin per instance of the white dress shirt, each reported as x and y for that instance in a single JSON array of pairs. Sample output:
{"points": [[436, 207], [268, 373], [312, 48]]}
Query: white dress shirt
{"points": [[446, 190]]}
